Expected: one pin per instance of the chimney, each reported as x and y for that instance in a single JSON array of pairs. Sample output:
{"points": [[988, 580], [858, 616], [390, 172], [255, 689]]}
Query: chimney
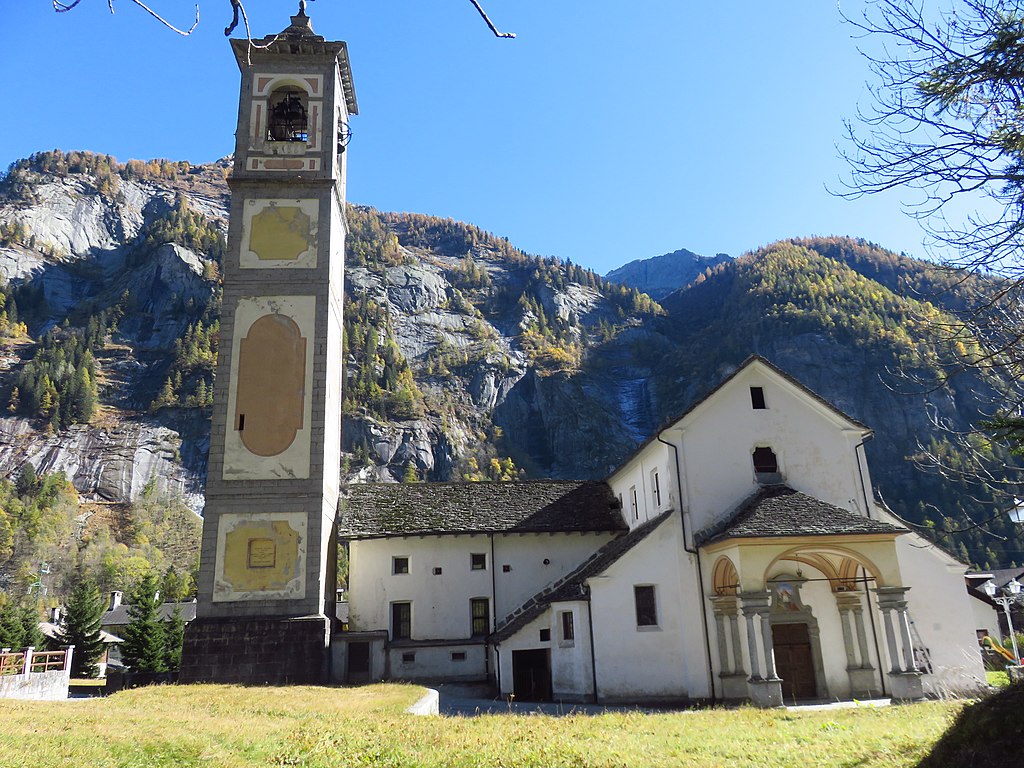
{"points": [[55, 614], [115, 600]]}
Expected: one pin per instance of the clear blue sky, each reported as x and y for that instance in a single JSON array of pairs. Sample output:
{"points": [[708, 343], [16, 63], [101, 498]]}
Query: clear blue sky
{"points": [[607, 131]]}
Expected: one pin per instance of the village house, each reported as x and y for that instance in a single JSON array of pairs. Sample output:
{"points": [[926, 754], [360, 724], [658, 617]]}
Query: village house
{"points": [[740, 553]]}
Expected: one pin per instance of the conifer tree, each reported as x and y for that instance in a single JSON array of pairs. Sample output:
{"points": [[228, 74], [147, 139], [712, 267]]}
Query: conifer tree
{"points": [[173, 629], [144, 647], [80, 627]]}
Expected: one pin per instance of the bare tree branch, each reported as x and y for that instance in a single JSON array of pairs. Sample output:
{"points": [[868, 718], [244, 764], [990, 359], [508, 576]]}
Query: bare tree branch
{"points": [[490, 23], [62, 7]]}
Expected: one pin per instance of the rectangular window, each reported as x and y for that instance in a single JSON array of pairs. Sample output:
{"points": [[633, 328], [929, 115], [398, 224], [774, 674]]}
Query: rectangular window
{"points": [[656, 487], [401, 621], [545, 635], [437, 571], [480, 609], [568, 631], [633, 502], [646, 608], [408, 658], [400, 565], [478, 561], [757, 398], [458, 655]]}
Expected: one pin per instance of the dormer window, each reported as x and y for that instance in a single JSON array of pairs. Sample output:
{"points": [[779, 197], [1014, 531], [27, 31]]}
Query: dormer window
{"points": [[757, 398], [289, 119]]}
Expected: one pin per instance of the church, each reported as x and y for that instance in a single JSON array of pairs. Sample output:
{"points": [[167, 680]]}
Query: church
{"points": [[739, 554]]}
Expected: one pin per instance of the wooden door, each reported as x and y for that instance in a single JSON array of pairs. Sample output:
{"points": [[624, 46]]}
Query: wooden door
{"points": [[794, 661], [358, 663], [531, 675]]}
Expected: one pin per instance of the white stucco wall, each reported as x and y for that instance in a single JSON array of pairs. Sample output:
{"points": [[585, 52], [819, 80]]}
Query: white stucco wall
{"points": [[815, 447], [441, 603], [440, 662], [985, 617], [638, 473], [649, 663]]}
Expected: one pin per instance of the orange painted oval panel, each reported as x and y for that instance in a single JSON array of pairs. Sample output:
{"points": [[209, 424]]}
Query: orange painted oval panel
{"points": [[270, 390]]}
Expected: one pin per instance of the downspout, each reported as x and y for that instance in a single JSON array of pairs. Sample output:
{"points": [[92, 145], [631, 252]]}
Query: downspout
{"points": [[593, 655], [494, 613], [700, 574], [860, 472]]}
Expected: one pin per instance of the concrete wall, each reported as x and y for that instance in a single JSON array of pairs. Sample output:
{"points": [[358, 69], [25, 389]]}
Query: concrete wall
{"points": [[449, 662], [38, 686]]}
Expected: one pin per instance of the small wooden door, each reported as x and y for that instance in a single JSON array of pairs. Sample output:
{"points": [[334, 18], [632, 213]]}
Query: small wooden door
{"points": [[531, 675], [794, 661]]}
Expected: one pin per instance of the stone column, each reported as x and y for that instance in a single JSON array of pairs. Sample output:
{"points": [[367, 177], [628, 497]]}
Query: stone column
{"points": [[764, 691], [734, 679], [863, 682], [904, 677]]}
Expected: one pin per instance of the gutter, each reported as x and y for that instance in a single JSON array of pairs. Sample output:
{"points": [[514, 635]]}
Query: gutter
{"points": [[593, 655], [700, 575]]}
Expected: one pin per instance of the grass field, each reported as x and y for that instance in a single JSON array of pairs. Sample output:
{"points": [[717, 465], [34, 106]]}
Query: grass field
{"points": [[229, 726]]}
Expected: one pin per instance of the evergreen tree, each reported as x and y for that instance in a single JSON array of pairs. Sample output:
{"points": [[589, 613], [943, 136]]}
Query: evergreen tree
{"points": [[80, 627], [144, 646], [173, 628]]}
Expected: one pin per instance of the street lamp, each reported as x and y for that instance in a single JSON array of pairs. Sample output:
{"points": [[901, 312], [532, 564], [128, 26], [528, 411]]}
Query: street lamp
{"points": [[1011, 594]]}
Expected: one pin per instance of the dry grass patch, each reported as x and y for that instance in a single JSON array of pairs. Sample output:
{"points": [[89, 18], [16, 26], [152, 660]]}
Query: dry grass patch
{"points": [[318, 727]]}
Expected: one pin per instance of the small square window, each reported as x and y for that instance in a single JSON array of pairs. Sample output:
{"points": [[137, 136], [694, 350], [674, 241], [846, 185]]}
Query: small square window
{"points": [[765, 461], [400, 565], [478, 561], [458, 655], [506, 568], [757, 398], [545, 635], [437, 570], [408, 658], [646, 607]]}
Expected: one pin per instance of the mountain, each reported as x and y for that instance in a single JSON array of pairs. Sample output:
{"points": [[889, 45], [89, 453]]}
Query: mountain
{"points": [[465, 358], [661, 275]]}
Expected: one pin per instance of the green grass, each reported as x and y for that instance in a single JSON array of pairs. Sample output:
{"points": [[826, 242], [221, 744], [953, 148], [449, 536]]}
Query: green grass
{"points": [[230, 726], [997, 679]]}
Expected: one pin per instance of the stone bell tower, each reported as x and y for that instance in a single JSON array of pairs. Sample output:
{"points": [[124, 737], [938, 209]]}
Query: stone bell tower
{"points": [[267, 571]]}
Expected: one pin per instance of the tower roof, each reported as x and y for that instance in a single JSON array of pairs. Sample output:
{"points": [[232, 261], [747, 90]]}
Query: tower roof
{"points": [[298, 39]]}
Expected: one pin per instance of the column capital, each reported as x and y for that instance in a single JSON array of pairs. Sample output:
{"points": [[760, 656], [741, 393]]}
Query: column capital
{"points": [[892, 597], [756, 602]]}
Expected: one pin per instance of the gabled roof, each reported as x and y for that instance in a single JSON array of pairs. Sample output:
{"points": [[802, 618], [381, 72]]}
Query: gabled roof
{"points": [[52, 631], [573, 586], [374, 510], [708, 395], [778, 510]]}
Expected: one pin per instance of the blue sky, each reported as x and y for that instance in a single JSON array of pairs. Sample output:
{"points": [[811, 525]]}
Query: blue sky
{"points": [[607, 131]]}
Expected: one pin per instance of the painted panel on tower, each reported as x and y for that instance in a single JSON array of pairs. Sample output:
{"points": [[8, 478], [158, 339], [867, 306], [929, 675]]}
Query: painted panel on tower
{"points": [[268, 436], [279, 234], [261, 557], [271, 375]]}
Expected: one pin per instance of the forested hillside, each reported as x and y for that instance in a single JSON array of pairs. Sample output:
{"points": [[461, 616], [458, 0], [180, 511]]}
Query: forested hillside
{"points": [[465, 358]]}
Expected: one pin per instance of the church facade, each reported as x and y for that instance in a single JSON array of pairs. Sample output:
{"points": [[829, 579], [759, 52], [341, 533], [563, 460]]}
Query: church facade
{"points": [[739, 554]]}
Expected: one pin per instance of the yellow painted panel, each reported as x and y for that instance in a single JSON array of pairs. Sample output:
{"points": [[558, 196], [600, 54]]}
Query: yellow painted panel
{"points": [[261, 556], [280, 233]]}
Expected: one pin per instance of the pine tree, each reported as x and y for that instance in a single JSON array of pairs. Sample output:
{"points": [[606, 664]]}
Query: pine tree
{"points": [[173, 628], [81, 628], [144, 648]]}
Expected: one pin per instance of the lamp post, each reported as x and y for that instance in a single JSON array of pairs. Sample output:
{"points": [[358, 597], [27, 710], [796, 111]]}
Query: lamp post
{"points": [[1011, 594]]}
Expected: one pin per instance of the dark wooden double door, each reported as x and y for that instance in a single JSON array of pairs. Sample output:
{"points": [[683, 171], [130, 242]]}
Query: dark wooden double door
{"points": [[794, 661]]}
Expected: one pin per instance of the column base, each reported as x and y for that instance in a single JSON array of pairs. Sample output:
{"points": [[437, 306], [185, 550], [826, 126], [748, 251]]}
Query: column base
{"points": [[864, 683], [734, 686], [765, 693], [906, 686], [256, 651]]}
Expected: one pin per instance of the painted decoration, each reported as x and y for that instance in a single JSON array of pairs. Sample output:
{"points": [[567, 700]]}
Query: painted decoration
{"points": [[270, 384], [279, 233], [268, 434], [260, 557]]}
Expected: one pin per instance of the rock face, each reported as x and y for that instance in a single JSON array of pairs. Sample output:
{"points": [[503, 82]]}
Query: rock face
{"points": [[661, 275]]}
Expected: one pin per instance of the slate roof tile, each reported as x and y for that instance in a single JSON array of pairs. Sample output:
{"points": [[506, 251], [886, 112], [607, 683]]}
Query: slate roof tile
{"points": [[374, 510], [778, 510]]}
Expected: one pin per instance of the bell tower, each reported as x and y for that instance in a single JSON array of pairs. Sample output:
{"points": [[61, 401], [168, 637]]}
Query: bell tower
{"points": [[267, 569]]}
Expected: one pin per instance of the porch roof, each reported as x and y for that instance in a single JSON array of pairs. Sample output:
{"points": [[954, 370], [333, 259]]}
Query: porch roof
{"points": [[374, 510], [779, 511]]}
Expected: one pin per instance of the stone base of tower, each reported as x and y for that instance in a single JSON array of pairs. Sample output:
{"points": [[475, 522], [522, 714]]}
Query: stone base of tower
{"points": [[256, 651]]}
